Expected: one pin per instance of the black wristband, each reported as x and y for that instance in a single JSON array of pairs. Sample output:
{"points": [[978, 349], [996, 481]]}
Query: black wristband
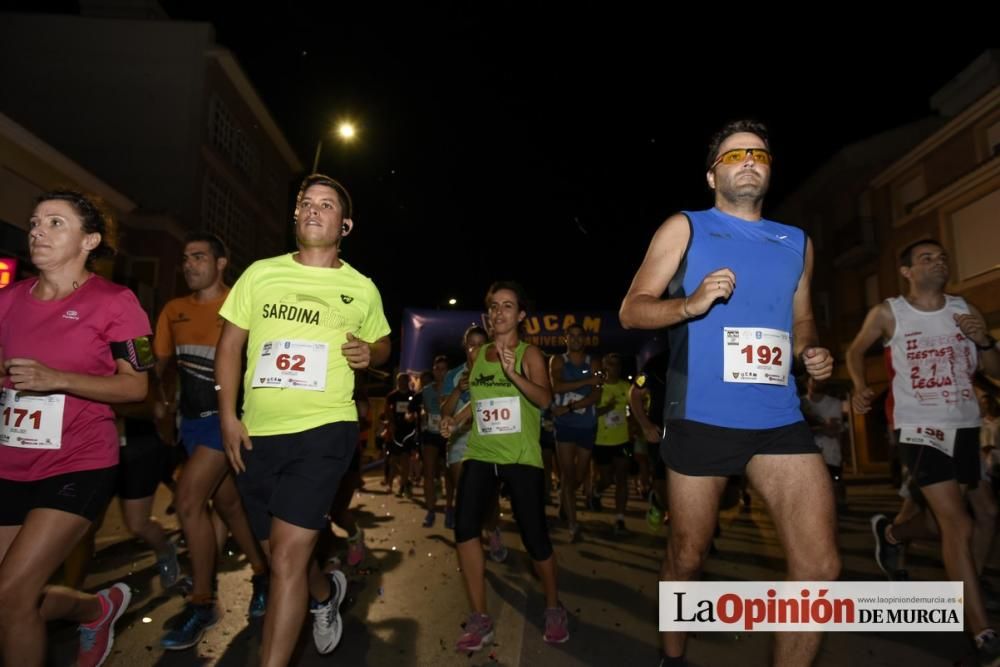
{"points": [[991, 343]]}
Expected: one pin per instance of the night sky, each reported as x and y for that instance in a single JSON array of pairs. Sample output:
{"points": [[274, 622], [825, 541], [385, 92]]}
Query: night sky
{"points": [[547, 149]]}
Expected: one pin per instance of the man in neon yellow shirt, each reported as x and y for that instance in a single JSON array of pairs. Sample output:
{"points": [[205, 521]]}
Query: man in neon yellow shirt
{"points": [[612, 446], [308, 320]]}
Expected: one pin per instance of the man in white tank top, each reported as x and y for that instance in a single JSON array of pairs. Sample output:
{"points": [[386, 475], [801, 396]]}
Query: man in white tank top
{"points": [[934, 344]]}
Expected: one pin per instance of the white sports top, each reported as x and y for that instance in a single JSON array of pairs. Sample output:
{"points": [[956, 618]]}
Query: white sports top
{"points": [[931, 364]]}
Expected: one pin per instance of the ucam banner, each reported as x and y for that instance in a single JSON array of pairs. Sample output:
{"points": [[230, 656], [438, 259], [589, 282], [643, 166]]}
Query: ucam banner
{"points": [[429, 332], [797, 606]]}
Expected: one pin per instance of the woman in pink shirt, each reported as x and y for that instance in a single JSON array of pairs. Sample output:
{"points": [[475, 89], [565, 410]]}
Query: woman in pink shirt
{"points": [[71, 343]]}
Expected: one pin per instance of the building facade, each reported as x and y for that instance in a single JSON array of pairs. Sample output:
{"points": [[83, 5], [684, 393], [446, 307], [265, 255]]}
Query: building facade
{"points": [[938, 178], [165, 115]]}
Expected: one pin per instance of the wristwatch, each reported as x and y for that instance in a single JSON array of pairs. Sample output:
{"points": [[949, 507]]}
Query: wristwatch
{"points": [[991, 343]]}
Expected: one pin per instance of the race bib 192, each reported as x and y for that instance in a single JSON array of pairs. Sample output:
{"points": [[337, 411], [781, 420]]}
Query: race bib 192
{"points": [[756, 356]]}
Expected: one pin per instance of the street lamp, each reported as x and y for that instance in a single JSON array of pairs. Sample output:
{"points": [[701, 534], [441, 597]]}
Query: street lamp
{"points": [[345, 130], [452, 301]]}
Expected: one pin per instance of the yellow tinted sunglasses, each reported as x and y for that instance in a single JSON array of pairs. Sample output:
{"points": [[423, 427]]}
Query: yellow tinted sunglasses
{"points": [[738, 155]]}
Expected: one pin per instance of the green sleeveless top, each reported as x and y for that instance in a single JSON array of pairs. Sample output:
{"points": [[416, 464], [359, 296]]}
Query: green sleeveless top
{"points": [[612, 427], [505, 425]]}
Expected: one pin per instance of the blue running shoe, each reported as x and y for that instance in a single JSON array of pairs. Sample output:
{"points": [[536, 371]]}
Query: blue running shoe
{"points": [[258, 599], [190, 627], [167, 566]]}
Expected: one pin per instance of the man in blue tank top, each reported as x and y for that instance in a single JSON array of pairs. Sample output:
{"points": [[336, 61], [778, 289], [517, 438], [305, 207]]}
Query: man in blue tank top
{"points": [[736, 289], [576, 380]]}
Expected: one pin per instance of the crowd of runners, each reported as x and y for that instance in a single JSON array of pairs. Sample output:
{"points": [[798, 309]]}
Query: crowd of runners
{"points": [[263, 387]]}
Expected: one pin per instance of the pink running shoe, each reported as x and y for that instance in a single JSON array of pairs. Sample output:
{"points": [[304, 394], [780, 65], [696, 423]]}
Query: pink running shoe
{"points": [[478, 633], [96, 642], [556, 625], [356, 548]]}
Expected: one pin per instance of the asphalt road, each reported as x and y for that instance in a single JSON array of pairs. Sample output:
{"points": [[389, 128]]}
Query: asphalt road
{"points": [[406, 602]]}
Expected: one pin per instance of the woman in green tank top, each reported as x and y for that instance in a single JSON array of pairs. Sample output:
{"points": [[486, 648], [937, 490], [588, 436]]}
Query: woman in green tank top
{"points": [[509, 388]]}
